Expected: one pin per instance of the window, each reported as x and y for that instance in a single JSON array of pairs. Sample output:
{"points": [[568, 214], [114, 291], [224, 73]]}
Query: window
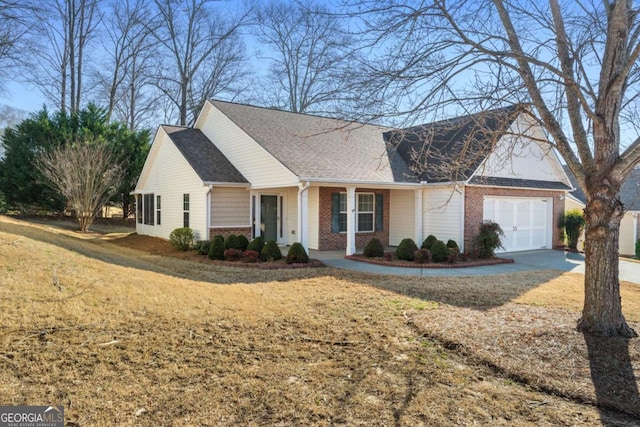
{"points": [[368, 212], [158, 207], [185, 208], [139, 207], [147, 207]]}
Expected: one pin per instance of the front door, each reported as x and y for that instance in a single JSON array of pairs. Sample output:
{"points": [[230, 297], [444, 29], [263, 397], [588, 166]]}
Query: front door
{"points": [[269, 217]]}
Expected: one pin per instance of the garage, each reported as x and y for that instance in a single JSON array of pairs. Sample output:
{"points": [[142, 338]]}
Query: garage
{"points": [[526, 222]]}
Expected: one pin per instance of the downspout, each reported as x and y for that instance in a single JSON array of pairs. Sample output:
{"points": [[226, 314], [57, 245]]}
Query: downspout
{"points": [[303, 215], [209, 212]]}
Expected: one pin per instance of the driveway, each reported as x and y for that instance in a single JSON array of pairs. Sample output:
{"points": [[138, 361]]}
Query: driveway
{"points": [[523, 261]]}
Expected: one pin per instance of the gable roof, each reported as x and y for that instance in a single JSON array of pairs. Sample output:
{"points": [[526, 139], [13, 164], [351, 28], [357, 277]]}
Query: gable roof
{"points": [[204, 157], [320, 148], [629, 191], [453, 149]]}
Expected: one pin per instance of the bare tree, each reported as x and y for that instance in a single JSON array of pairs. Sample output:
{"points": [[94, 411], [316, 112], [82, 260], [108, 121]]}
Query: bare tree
{"points": [[85, 173], [15, 25], [65, 30], [309, 65], [575, 63], [202, 53]]}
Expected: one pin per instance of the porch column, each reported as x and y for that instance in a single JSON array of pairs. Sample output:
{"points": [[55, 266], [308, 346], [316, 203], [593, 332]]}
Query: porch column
{"points": [[417, 225], [303, 216], [351, 220]]}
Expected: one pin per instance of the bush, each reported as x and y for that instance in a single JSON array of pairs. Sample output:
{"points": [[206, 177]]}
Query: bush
{"points": [[181, 238], [439, 251], [422, 256], [488, 239], [429, 241], [232, 254], [573, 223], [3, 204], [388, 256], [297, 254], [232, 242], [256, 244], [454, 255], [374, 248], [243, 241], [270, 252], [216, 248], [203, 247], [452, 244], [406, 250], [251, 256]]}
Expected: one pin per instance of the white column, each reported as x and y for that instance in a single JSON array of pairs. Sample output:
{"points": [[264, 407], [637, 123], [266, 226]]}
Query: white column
{"points": [[417, 217], [351, 220], [303, 216]]}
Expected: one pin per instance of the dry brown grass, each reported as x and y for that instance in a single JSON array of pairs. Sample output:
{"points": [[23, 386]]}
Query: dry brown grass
{"points": [[109, 331]]}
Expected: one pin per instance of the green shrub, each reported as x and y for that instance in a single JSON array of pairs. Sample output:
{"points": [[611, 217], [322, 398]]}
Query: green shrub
{"points": [[573, 223], [256, 244], [374, 248], [430, 240], [452, 244], [406, 250], [232, 242], [181, 238], [216, 248], [489, 239], [3, 204], [203, 247], [439, 251], [297, 254], [270, 252], [243, 241], [422, 256], [454, 255], [638, 249]]}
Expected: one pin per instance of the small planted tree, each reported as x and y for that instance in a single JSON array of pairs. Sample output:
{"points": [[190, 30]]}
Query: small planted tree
{"points": [[489, 239], [573, 223]]}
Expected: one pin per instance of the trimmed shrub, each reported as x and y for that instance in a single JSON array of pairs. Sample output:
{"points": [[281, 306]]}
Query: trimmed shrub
{"points": [[251, 256], [243, 241], [422, 256], [203, 247], [430, 240], [232, 242], [256, 244], [232, 254], [454, 255], [270, 252], [181, 238], [374, 248], [216, 248], [297, 254], [489, 239], [439, 251], [573, 224], [452, 244], [406, 250], [638, 249]]}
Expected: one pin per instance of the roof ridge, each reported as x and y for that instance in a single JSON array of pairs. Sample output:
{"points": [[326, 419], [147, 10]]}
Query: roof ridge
{"points": [[457, 119]]}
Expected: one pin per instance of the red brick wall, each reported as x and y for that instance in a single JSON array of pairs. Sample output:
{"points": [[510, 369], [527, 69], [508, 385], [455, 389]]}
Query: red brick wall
{"points": [[473, 206], [335, 241], [224, 232]]}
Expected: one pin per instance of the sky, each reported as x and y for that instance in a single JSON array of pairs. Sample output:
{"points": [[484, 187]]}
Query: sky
{"points": [[19, 95]]}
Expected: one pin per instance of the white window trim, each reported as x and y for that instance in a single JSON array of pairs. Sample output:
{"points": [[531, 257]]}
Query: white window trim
{"points": [[373, 212]]}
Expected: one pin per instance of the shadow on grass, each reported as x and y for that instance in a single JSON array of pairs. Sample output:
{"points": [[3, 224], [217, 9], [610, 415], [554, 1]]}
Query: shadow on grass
{"points": [[612, 375]]}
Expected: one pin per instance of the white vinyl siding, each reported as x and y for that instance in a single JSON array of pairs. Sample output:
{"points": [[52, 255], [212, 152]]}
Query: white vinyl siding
{"points": [[314, 221], [401, 216], [442, 214], [230, 207], [627, 245], [167, 172], [259, 167]]}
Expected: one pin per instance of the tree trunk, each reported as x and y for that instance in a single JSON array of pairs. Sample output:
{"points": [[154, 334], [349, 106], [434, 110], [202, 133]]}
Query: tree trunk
{"points": [[602, 312]]}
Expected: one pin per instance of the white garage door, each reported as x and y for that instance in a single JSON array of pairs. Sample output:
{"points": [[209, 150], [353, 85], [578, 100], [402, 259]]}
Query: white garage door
{"points": [[526, 222]]}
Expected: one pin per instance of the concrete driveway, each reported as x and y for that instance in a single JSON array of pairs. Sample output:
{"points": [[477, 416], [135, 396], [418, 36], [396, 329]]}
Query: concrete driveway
{"points": [[523, 261]]}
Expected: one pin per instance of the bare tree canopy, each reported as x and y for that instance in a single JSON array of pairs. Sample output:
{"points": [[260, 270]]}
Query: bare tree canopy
{"points": [[575, 63], [85, 173]]}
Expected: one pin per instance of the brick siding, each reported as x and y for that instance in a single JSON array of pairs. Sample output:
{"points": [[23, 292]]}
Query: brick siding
{"points": [[225, 231], [336, 241], [473, 208]]}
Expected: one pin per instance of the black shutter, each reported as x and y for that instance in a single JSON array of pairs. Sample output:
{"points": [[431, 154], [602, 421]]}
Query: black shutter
{"points": [[335, 212], [379, 212]]}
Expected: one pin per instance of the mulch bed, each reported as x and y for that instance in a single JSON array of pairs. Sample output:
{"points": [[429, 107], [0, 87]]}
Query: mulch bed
{"points": [[409, 264]]}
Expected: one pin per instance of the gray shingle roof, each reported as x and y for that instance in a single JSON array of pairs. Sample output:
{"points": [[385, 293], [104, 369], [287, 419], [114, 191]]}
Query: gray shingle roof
{"points": [[320, 147], [452, 150], [519, 183], [629, 192], [204, 157]]}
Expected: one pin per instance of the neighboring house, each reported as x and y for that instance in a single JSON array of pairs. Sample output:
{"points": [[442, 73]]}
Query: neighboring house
{"points": [[630, 198], [333, 184]]}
